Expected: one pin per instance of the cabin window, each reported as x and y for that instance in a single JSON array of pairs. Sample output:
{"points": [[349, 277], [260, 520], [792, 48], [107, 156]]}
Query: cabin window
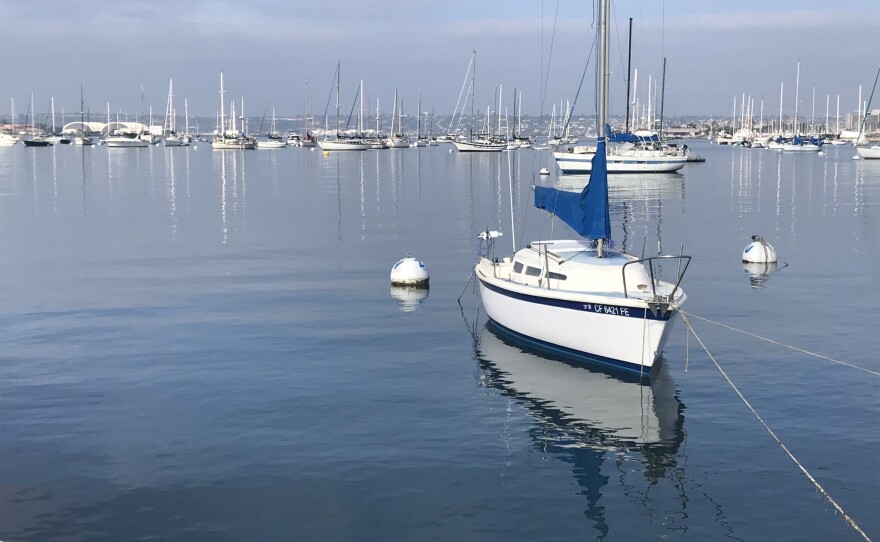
{"points": [[557, 276], [517, 267], [533, 271]]}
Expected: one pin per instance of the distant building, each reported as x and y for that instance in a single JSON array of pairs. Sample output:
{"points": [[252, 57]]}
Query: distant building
{"points": [[682, 132]]}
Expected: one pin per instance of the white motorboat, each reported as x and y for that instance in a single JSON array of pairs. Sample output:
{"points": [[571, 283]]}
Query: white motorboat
{"points": [[397, 141], [175, 140], [126, 140], [7, 140], [581, 298], [272, 144]]}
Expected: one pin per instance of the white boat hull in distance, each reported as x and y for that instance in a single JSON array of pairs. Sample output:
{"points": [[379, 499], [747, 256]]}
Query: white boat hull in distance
{"points": [[175, 142], [343, 145], [618, 332], [233, 144], [479, 146], [806, 147], [271, 144], [125, 143], [7, 140], [575, 162], [869, 153]]}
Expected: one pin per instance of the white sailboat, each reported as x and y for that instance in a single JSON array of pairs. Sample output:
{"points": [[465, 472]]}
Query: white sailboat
{"points": [[581, 298], [629, 152], [864, 151], [397, 139], [477, 142], [273, 140], [228, 138], [85, 138], [342, 143], [170, 135], [799, 144]]}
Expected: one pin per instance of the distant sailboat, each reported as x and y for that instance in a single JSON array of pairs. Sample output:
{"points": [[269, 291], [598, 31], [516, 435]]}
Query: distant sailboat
{"points": [[84, 139], [228, 138], [36, 139], [340, 143]]}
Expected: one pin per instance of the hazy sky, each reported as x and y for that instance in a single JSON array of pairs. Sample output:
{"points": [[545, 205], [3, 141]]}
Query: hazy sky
{"points": [[715, 50]]}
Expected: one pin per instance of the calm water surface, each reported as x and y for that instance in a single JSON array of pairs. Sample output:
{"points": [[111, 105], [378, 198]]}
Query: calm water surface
{"points": [[203, 345]]}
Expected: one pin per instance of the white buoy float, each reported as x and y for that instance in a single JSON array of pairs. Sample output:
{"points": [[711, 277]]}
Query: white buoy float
{"points": [[544, 171], [409, 272], [759, 251]]}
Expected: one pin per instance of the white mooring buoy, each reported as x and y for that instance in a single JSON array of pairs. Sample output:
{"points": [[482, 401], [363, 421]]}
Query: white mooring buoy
{"points": [[759, 251], [409, 272], [544, 171]]}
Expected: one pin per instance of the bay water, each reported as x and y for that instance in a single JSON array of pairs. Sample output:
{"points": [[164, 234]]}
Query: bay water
{"points": [[204, 345]]}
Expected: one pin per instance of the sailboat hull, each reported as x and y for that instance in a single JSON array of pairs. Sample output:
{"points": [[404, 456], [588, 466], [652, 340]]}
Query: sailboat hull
{"points": [[869, 153], [574, 162], [343, 145], [614, 332], [479, 146]]}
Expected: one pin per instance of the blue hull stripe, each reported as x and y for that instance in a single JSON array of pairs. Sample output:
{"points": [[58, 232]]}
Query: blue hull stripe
{"points": [[611, 310], [577, 355]]}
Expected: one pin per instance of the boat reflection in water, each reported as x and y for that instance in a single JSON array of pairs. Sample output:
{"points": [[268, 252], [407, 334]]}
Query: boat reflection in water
{"points": [[606, 427], [410, 297]]}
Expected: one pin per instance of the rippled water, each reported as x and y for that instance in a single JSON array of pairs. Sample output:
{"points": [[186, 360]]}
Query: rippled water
{"points": [[203, 345]]}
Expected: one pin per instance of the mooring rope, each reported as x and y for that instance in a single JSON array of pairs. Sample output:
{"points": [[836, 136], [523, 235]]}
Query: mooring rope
{"points": [[850, 521], [795, 348]]}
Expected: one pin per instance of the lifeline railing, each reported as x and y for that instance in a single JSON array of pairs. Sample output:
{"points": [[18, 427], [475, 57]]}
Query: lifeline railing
{"points": [[682, 258]]}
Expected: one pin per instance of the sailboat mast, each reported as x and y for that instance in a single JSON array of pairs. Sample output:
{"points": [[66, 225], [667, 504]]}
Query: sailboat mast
{"points": [[797, 84], [602, 93], [781, 87], [338, 63], [52, 102], [662, 96], [500, 92], [837, 116], [474, 94], [222, 105], [628, 68]]}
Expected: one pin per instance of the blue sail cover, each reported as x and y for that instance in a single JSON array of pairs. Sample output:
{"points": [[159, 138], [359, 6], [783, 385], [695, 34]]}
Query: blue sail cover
{"points": [[586, 212], [626, 137]]}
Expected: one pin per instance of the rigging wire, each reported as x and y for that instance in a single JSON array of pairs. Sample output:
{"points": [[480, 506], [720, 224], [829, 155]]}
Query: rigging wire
{"points": [[849, 520]]}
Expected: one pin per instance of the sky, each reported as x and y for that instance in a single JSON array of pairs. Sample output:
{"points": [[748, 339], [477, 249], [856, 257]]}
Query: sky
{"points": [[268, 49]]}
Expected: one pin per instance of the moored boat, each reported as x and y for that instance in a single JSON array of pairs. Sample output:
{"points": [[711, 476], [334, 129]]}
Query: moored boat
{"points": [[582, 298]]}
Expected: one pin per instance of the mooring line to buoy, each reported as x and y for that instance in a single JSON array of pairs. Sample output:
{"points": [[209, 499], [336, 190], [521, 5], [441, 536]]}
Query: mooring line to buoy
{"points": [[778, 343], [465, 286], [850, 521]]}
